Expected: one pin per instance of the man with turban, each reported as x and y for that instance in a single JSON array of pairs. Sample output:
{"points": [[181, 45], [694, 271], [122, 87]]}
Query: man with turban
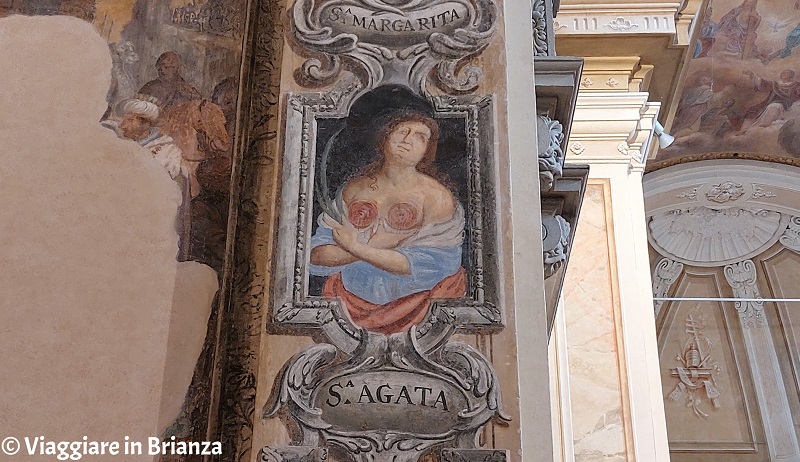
{"points": [[137, 117]]}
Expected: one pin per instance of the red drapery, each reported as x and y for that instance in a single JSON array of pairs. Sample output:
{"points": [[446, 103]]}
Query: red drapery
{"points": [[397, 315]]}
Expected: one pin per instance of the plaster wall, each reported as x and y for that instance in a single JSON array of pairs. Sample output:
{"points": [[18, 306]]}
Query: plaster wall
{"points": [[607, 292]]}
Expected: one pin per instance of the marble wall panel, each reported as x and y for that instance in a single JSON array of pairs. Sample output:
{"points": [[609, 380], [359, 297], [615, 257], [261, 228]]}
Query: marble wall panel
{"points": [[592, 319]]}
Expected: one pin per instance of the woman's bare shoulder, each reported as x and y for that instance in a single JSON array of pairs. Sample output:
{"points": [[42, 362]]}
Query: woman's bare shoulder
{"points": [[355, 186], [440, 204]]}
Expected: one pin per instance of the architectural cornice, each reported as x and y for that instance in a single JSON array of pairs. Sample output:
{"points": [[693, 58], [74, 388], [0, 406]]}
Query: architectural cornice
{"points": [[562, 187], [634, 18], [615, 73], [612, 127], [658, 33]]}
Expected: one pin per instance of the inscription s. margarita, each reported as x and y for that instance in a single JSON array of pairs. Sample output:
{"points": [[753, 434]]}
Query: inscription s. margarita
{"points": [[426, 20]]}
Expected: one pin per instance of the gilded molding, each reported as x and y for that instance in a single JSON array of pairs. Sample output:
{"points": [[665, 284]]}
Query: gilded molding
{"points": [[658, 165]]}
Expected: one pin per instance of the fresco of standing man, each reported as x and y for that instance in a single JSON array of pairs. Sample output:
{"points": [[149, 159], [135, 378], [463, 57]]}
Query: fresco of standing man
{"points": [[170, 88]]}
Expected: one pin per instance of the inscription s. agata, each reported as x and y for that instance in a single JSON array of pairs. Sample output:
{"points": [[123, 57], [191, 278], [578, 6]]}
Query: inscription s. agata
{"points": [[387, 394]]}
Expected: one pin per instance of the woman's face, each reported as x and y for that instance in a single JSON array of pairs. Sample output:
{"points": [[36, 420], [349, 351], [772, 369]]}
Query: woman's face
{"points": [[407, 143]]}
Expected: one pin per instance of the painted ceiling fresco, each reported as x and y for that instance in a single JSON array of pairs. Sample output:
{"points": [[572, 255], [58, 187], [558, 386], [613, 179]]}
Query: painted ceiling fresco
{"points": [[742, 83]]}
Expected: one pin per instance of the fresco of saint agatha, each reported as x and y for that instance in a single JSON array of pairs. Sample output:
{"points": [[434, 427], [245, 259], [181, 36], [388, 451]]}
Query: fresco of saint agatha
{"points": [[392, 239]]}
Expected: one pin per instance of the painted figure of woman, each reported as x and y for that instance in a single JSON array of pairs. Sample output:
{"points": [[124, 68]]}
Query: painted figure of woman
{"points": [[398, 242]]}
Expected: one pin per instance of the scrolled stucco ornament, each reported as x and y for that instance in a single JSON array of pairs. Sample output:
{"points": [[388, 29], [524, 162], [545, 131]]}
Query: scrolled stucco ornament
{"points": [[555, 241], [551, 154], [394, 42]]}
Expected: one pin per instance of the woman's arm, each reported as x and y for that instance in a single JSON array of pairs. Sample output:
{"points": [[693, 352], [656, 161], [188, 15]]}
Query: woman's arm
{"points": [[385, 259], [345, 236], [331, 255]]}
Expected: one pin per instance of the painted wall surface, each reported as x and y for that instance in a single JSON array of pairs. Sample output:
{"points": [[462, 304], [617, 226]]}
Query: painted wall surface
{"points": [[136, 194], [741, 85], [728, 349], [171, 85], [101, 325], [352, 199]]}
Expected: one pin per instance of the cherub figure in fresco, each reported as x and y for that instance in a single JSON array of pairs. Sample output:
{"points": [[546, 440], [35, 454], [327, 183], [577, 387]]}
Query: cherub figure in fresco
{"points": [[397, 240], [170, 88], [783, 93]]}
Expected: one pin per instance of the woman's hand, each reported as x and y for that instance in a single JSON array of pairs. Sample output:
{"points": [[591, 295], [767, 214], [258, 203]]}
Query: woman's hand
{"points": [[346, 237], [344, 234]]}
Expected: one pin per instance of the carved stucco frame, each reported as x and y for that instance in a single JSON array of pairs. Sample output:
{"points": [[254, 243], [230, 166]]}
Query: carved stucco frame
{"points": [[292, 306]]}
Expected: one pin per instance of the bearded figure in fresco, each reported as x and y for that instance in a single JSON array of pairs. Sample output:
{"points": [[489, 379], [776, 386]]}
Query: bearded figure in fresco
{"points": [[396, 243], [693, 105], [739, 26], [783, 93], [137, 122]]}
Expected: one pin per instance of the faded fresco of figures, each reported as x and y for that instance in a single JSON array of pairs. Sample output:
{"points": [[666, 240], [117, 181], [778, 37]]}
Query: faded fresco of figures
{"points": [[174, 93], [741, 90], [708, 32], [198, 129], [170, 88], [739, 26]]}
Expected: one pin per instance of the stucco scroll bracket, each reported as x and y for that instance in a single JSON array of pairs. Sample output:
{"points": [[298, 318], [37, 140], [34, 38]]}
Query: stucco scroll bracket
{"points": [[664, 276], [556, 240], [742, 278], [292, 454], [474, 455], [551, 154], [448, 391], [791, 236]]}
